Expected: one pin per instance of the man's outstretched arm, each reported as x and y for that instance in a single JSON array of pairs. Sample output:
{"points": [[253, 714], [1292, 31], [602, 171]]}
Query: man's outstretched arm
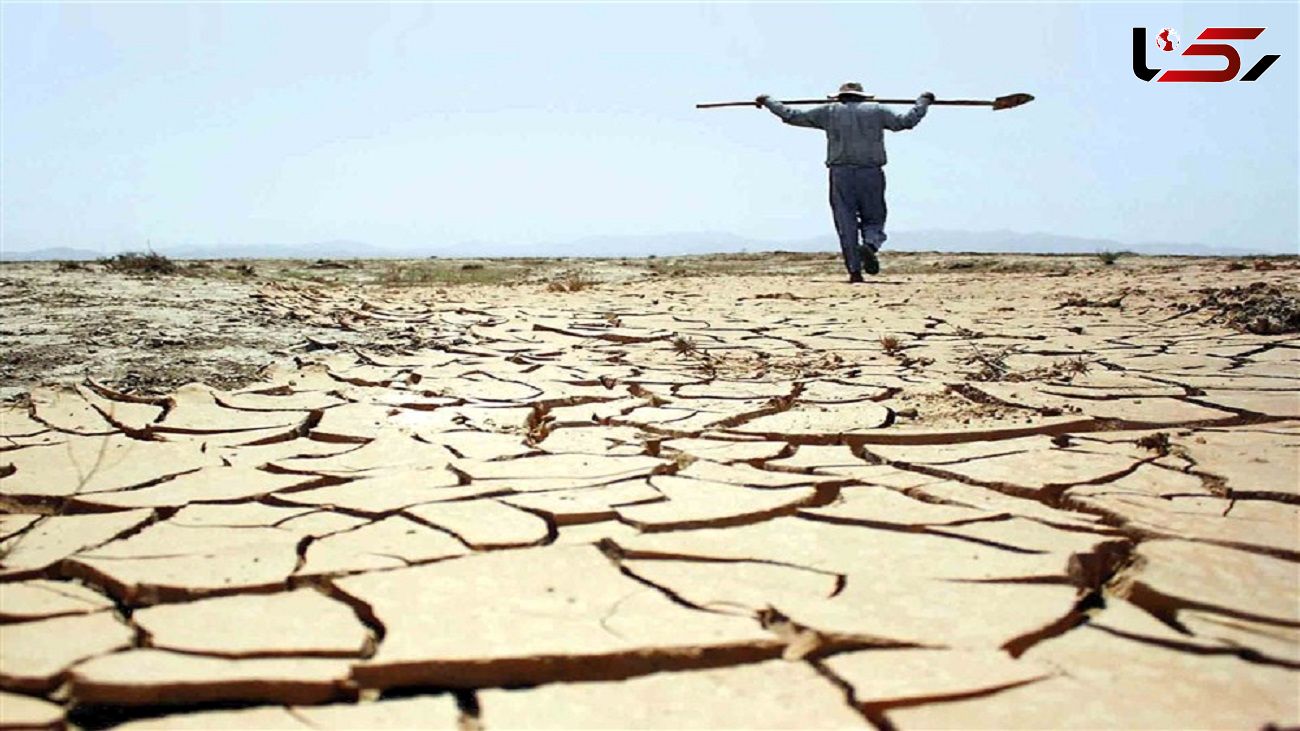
{"points": [[897, 123], [815, 117]]}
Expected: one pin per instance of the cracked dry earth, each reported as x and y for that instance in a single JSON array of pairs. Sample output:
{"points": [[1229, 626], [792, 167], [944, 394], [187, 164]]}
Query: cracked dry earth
{"points": [[665, 505]]}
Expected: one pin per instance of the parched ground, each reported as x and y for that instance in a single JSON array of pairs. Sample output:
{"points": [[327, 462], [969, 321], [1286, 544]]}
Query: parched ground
{"points": [[719, 492]]}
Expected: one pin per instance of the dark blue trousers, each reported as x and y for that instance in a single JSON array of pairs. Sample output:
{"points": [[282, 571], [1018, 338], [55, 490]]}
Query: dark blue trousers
{"points": [[858, 205]]}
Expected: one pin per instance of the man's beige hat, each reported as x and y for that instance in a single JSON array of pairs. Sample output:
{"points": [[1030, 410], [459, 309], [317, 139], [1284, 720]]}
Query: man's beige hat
{"points": [[850, 88]]}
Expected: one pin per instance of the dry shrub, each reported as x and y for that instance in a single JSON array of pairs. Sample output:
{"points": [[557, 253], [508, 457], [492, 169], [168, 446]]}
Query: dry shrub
{"points": [[328, 264], [144, 265]]}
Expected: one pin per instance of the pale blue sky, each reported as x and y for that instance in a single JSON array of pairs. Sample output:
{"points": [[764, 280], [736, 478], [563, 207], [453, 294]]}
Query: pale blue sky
{"points": [[430, 125]]}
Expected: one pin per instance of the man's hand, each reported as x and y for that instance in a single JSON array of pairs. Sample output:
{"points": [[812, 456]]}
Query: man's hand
{"points": [[761, 99], [928, 96]]}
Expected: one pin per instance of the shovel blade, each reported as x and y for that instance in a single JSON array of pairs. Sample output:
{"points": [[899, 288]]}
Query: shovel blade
{"points": [[1011, 100]]}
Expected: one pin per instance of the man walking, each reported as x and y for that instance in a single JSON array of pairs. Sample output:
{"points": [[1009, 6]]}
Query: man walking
{"points": [[855, 154]]}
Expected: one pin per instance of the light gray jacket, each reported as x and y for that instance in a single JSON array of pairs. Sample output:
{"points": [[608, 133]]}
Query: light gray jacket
{"points": [[854, 130]]}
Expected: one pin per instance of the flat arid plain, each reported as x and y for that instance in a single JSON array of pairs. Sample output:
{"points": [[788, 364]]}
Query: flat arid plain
{"points": [[706, 492]]}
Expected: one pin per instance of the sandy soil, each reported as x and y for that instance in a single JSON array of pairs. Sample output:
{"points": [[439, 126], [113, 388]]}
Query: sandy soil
{"points": [[978, 492]]}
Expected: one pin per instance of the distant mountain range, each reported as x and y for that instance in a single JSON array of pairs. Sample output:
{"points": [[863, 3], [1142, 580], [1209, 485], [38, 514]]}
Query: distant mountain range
{"points": [[673, 244], [315, 250]]}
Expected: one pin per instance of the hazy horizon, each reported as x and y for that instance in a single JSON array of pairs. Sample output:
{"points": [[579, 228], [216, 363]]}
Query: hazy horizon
{"points": [[661, 244], [518, 125]]}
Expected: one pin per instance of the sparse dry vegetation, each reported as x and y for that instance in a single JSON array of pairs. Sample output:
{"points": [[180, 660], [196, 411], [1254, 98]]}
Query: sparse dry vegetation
{"points": [[1061, 370], [1075, 300], [436, 273], [808, 282], [570, 282], [143, 265], [328, 264], [1257, 308], [991, 365]]}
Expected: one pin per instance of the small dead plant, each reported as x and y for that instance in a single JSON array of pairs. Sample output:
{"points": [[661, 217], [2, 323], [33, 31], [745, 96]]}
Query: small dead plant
{"points": [[991, 364], [1061, 371], [687, 348]]}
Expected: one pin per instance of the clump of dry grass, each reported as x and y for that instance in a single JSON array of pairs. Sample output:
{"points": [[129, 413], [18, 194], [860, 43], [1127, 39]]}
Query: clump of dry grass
{"points": [[571, 282], [891, 344], [670, 269], [70, 266]]}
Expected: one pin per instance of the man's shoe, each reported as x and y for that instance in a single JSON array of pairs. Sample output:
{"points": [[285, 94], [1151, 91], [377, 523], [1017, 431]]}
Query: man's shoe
{"points": [[855, 278], [869, 260]]}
